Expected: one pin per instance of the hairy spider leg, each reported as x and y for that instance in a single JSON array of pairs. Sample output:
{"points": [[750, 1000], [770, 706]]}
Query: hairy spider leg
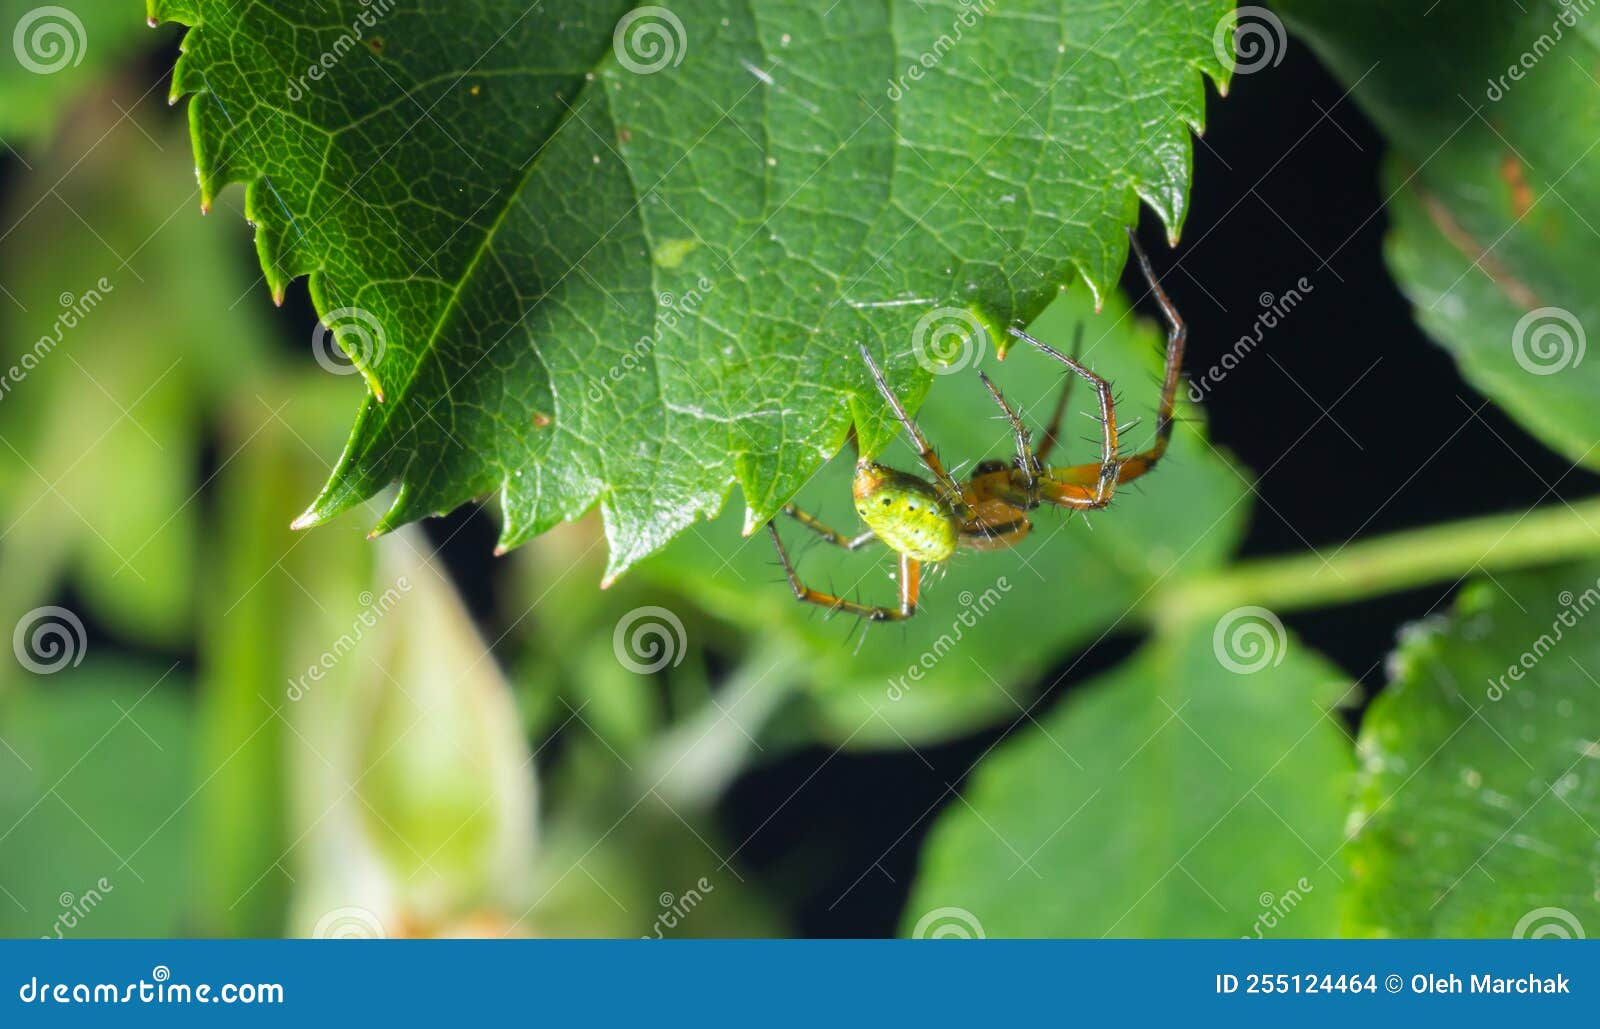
{"points": [[833, 536], [1052, 434], [910, 587], [1177, 338], [1082, 487], [1074, 480], [930, 460], [1027, 461]]}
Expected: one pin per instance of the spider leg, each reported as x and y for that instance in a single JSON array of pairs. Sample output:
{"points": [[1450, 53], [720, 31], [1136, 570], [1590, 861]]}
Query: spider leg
{"points": [[833, 536], [1052, 435], [1106, 472], [1177, 338], [930, 460], [1026, 461], [910, 585], [1081, 486]]}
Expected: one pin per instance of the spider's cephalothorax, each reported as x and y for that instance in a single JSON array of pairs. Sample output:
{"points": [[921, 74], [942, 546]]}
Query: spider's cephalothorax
{"points": [[925, 522]]}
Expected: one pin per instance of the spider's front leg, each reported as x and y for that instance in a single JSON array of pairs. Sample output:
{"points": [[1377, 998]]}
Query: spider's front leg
{"points": [[910, 587], [1084, 487], [1070, 486]]}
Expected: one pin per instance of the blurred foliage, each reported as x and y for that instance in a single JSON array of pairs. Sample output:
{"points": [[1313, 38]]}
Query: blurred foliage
{"points": [[1491, 111], [1478, 800], [86, 847], [60, 52]]}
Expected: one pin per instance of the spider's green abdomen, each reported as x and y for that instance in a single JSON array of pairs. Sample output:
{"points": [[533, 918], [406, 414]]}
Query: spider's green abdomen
{"points": [[905, 513]]}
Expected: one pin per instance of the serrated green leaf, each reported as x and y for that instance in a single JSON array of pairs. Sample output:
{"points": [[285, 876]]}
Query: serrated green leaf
{"points": [[593, 283], [1491, 111], [1172, 797], [995, 621], [1478, 794]]}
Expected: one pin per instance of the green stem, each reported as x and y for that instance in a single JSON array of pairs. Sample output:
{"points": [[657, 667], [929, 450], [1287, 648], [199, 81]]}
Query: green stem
{"points": [[1386, 564]]}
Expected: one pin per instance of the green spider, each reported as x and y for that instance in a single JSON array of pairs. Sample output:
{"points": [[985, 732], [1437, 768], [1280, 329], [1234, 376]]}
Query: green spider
{"points": [[925, 522]]}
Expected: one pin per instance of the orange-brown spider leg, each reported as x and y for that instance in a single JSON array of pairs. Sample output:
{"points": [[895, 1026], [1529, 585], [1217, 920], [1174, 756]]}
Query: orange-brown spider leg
{"points": [[1070, 486], [910, 587], [1052, 434], [1105, 475], [1177, 338], [833, 536], [1027, 462], [930, 460]]}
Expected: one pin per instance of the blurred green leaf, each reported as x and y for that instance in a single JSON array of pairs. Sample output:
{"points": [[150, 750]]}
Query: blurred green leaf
{"points": [[56, 52], [96, 774], [104, 380], [1478, 796], [1491, 112], [581, 283], [996, 620], [1174, 796]]}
